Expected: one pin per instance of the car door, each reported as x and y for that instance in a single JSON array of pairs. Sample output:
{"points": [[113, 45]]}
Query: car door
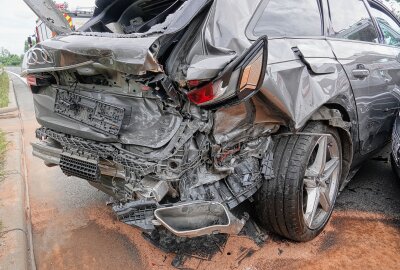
{"points": [[370, 66]]}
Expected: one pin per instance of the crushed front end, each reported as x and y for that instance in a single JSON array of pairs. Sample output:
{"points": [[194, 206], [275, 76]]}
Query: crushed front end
{"points": [[176, 145]]}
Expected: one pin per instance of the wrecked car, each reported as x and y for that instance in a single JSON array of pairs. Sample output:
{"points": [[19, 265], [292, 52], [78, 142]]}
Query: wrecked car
{"points": [[185, 110]]}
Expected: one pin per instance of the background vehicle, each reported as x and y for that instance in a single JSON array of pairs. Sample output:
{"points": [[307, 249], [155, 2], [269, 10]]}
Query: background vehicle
{"points": [[182, 113]]}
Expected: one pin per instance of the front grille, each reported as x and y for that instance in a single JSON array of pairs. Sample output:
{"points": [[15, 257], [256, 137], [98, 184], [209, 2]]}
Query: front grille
{"points": [[85, 168]]}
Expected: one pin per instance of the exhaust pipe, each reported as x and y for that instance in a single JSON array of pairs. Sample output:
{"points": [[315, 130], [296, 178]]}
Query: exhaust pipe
{"points": [[199, 218]]}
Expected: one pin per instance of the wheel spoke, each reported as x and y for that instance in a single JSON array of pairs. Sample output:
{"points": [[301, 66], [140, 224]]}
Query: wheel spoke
{"points": [[324, 200], [311, 173], [313, 195], [317, 168], [330, 168], [310, 182]]}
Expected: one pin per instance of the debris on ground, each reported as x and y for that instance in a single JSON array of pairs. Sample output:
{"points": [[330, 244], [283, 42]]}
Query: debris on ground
{"points": [[203, 247]]}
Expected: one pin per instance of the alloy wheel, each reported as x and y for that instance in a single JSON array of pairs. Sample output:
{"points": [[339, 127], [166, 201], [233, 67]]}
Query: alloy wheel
{"points": [[321, 181]]}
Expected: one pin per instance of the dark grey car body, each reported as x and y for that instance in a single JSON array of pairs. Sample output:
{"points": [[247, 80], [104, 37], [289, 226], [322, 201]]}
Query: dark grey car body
{"points": [[200, 154]]}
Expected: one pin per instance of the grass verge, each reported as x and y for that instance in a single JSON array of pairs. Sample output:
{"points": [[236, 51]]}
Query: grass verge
{"points": [[4, 85]]}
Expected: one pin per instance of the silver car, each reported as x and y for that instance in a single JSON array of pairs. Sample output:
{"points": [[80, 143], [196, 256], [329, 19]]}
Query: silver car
{"points": [[182, 110]]}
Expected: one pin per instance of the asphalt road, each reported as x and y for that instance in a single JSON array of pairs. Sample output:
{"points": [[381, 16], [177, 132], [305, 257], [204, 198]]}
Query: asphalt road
{"points": [[74, 229]]}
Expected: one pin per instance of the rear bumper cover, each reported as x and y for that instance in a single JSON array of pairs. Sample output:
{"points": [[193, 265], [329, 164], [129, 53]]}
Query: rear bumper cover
{"points": [[142, 116], [190, 219], [141, 166]]}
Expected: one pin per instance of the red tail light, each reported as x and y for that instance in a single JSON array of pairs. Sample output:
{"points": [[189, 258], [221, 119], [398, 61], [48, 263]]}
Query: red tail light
{"points": [[194, 83], [206, 93], [239, 81], [202, 95]]}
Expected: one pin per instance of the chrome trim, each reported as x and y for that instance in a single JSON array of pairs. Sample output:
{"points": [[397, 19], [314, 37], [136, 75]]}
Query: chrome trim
{"points": [[53, 69], [179, 218]]}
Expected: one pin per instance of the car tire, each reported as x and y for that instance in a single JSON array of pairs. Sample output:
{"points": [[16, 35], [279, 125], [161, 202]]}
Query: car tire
{"points": [[395, 168], [285, 204]]}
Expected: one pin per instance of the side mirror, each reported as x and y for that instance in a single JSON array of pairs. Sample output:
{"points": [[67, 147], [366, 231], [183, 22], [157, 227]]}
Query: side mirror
{"points": [[239, 81]]}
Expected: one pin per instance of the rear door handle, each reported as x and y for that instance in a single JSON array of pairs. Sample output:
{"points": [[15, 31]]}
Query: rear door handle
{"points": [[360, 72]]}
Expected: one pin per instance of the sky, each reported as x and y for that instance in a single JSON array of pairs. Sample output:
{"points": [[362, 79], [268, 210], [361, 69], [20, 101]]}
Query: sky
{"points": [[18, 22]]}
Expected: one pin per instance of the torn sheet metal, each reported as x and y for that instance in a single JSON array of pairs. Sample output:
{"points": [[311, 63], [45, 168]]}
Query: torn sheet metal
{"points": [[48, 13], [222, 38], [294, 87], [167, 16], [245, 120], [142, 117], [297, 95], [131, 56]]}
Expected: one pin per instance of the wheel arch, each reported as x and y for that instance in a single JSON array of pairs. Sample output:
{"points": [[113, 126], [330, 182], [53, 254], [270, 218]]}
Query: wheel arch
{"points": [[337, 116]]}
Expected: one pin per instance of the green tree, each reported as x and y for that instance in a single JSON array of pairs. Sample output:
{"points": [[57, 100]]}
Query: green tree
{"points": [[8, 59]]}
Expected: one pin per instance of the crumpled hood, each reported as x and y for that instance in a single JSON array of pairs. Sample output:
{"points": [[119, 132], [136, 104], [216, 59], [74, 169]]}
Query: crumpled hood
{"points": [[128, 55]]}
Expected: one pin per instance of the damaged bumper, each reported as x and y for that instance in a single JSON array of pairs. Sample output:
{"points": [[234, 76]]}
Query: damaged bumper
{"points": [[145, 188], [191, 219]]}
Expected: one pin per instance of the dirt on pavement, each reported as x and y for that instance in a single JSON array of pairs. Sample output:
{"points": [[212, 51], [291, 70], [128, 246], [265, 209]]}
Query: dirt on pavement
{"points": [[352, 240]]}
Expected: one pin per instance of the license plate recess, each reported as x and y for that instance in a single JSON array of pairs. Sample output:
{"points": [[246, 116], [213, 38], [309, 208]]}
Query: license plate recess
{"points": [[105, 118]]}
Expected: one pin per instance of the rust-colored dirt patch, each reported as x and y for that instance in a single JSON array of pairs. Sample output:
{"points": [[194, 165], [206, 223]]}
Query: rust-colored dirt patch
{"points": [[151, 256], [92, 247], [41, 215], [352, 240]]}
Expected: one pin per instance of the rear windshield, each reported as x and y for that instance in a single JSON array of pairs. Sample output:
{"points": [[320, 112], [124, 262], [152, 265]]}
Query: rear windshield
{"points": [[288, 18], [133, 16]]}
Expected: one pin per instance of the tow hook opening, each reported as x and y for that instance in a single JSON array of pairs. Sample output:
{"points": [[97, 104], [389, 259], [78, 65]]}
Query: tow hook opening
{"points": [[199, 218]]}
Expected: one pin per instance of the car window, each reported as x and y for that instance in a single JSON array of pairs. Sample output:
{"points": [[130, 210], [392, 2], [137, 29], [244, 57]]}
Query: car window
{"points": [[289, 18], [389, 27], [351, 20]]}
